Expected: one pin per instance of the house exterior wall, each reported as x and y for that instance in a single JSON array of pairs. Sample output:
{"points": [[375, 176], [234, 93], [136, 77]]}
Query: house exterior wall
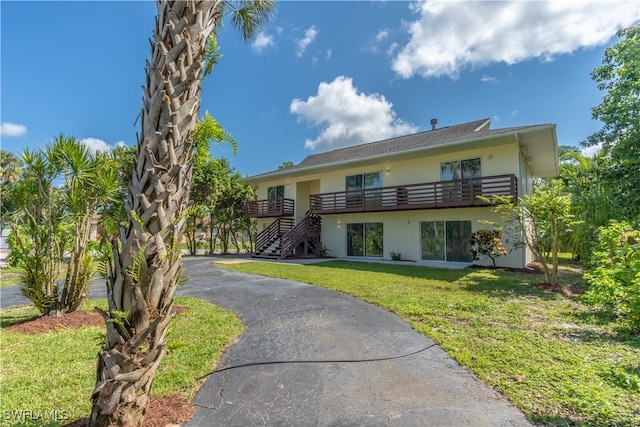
{"points": [[503, 159], [402, 231]]}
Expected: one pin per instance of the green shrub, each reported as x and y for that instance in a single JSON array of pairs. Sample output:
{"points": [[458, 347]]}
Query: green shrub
{"points": [[614, 278], [396, 256], [487, 243]]}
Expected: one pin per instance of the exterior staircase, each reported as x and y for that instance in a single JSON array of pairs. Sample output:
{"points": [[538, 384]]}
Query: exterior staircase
{"points": [[281, 238]]}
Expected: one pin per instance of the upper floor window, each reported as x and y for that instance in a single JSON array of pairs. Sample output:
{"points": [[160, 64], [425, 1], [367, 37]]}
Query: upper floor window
{"points": [[460, 169], [363, 181], [276, 192]]}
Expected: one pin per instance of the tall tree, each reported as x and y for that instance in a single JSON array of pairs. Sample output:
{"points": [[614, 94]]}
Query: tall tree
{"points": [[537, 221], [619, 111], [147, 260], [10, 167], [10, 170], [591, 201]]}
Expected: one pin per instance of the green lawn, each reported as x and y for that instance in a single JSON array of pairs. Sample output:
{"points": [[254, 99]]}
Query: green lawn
{"points": [[9, 276], [559, 361], [55, 371]]}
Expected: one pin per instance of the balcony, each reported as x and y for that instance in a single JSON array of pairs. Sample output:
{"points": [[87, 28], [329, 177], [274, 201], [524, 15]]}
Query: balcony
{"points": [[430, 195], [269, 208]]}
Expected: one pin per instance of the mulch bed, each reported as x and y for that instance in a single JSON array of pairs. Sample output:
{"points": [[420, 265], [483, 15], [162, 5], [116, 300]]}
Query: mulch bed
{"points": [[162, 411]]}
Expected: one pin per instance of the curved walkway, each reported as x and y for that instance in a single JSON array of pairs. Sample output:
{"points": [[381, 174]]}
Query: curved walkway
{"points": [[290, 321]]}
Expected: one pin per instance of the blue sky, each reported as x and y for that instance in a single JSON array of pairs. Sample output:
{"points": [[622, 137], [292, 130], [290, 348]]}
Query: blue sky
{"points": [[321, 75]]}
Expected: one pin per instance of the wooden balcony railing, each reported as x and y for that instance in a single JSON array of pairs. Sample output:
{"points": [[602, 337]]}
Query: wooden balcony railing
{"points": [[269, 208], [430, 195]]}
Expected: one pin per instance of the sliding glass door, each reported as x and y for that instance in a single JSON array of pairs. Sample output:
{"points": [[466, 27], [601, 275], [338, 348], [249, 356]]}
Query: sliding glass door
{"points": [[365, 239], [446, 240]]}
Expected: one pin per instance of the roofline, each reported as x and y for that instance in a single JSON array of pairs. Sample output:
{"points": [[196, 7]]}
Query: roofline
{"points": [[497, 132]]}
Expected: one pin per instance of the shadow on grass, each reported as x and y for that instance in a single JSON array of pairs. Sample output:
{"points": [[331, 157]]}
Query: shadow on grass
{"points": [[9, 319], [489, 282]]}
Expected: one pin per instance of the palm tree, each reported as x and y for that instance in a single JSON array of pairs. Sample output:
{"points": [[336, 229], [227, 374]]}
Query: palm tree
{"points": [[147, 259], [10, 166]]}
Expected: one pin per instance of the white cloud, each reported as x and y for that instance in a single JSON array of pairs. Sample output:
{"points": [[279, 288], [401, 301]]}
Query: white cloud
{"points": [[97, 145], [382, 34], [12, 129], [592, 150], [348, 117], [309, 36], [450, 36], [329, 53], [488, 79], [262, 41]]}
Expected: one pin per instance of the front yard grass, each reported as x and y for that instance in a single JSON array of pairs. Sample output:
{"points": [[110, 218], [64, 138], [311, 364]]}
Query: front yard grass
{"points": [[560, 362], [9, 276], [55, 371]]}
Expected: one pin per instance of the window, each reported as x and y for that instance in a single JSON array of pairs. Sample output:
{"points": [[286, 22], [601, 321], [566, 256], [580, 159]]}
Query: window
{"points": [[275, 192], [365, 239], [460, 169], [446, 240], [362, 188], [455, 171]]}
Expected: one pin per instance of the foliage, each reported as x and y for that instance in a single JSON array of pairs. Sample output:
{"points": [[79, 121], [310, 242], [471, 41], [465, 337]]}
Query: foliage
{"points": [[540, 219], [395, 256], [38, 234], [487, 243], [619, 111], [221, 193], [614, 278], [553, 358], [323, 251], [10, 167], [38, 376], [90, 182], [208, 130], [62, 188], [286, 164], [591, 200]]}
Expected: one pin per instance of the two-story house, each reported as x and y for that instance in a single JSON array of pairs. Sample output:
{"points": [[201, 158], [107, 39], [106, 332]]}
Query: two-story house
{"points": [[415, 195]]}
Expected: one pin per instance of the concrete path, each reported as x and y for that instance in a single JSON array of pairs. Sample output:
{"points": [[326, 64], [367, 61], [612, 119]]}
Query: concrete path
{"points": [[414, 382]]}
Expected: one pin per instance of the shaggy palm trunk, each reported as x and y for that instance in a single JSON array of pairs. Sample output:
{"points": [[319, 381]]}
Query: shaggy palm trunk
{"points": [[147, 260]]}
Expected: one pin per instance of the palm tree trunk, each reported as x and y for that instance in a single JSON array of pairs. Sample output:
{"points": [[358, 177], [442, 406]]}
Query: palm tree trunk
{"points": [[147, 261]]}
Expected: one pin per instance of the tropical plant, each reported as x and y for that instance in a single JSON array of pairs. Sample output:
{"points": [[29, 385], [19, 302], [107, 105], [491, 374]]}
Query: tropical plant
{"points": [[10, 171], [614, 278], [591, 200], [55, 202], [38, 235], [487, 243], [538, 221], [147, 264], [90, 182], [619, 77], [10, 167]]}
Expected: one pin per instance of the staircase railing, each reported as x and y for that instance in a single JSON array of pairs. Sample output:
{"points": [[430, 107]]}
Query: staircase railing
{"points": [[275, 230], [308, 228]]}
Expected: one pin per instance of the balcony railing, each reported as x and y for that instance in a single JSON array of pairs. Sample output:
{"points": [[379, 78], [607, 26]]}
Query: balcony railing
{"points": [[269, 208], [430, 195]]}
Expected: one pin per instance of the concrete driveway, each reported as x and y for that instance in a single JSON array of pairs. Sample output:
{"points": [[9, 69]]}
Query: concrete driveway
{"points": [[342, 384]]}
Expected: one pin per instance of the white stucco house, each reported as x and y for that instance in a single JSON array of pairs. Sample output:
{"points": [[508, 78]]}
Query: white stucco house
{"points": [[415, 195]]}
